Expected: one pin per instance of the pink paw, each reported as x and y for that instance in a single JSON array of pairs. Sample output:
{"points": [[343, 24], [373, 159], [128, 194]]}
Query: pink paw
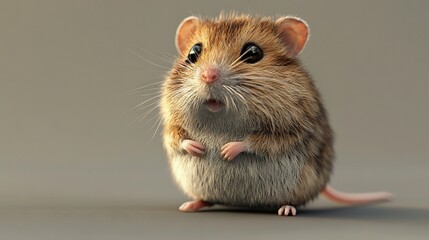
{"points": [[230, 150], [287, 210], [193, 206], [192, 147]]}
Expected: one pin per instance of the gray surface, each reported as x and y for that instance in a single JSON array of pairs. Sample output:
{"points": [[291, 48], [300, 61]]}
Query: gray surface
{"points": [[74, 164], [164, 222]]}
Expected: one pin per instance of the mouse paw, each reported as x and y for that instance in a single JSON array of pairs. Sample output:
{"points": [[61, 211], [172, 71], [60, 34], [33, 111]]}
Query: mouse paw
{"points": [[287, 210], [230, 150], [192, 147], [193, 206]]}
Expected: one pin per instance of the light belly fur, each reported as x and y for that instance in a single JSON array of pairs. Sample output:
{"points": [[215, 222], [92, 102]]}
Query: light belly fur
{"points": [[248, 180]]}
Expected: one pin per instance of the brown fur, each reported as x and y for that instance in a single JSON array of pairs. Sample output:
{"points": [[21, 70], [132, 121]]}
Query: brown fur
{"points": [[281, 113]]}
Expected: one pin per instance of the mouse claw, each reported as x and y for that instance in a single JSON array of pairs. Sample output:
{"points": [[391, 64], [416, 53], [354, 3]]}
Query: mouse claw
{"points": [[192, 147], [230, 150], [287, 210]]}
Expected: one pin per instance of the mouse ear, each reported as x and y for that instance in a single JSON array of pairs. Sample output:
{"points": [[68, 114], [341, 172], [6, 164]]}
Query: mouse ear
{"points": [[293, 33], [185, 30]]}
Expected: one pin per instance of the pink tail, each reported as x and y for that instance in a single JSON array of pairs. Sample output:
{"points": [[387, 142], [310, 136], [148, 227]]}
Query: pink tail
{"points": [[359, 198]]}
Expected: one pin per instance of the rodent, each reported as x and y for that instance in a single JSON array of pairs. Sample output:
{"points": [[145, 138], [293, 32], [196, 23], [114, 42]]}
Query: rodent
{"points": [[243, 122]]}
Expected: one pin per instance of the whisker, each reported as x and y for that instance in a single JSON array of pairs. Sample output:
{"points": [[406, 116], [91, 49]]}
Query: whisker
{"points": [[231, 92], [156, 130], [147, 100], [168, 55], [235, 100], [189, 67], [238, 94], [145, 94], [155, 90], [239, 57], [232, 66], [185, 94], [146, 60], [263, 73], [157, 115], [143, 115], [263, 84], [227, 98], [167, 60], [145, 86], [280, 80]]}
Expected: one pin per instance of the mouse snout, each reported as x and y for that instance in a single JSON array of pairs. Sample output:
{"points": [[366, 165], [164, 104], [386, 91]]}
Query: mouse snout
{"points": [[210, 74]]}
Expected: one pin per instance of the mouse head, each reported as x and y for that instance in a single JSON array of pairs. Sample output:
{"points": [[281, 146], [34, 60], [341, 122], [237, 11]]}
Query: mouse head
{"points": [[237, 65]]}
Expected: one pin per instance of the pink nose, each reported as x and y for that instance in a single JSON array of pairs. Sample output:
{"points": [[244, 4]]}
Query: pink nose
{"points": [[210, 75]]}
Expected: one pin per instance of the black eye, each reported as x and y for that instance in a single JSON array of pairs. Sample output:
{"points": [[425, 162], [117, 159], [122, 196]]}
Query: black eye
{"points": [[251, 53], [194, 53]]}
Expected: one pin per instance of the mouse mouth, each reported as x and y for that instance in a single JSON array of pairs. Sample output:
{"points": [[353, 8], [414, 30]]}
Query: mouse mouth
{"points": [[214, 105]]}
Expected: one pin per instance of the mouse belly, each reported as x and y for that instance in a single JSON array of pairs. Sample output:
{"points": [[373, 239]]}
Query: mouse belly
{"points": [[246, 181]]}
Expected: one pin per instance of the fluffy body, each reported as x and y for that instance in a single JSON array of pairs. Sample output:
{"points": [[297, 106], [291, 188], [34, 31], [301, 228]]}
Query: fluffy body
{"points": [[272, 106]]}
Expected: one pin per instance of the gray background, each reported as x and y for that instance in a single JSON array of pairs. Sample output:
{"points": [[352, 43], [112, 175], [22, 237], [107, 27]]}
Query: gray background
{"points": [[76, 163]]}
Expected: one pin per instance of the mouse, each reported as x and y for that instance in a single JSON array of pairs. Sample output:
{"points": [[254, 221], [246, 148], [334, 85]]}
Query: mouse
{"points": [[243, 123]]}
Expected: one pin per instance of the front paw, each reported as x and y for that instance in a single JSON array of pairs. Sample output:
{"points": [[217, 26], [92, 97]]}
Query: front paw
{"points": [[192, 147], [230, 150]]}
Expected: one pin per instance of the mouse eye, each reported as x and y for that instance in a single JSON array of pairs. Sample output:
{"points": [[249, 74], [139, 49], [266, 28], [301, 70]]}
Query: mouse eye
{"points": [[194, 53], [251, 53]]}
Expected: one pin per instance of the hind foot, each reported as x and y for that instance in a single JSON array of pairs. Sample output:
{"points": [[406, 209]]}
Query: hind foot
{"points": [[193, 206], [287, 210]]}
